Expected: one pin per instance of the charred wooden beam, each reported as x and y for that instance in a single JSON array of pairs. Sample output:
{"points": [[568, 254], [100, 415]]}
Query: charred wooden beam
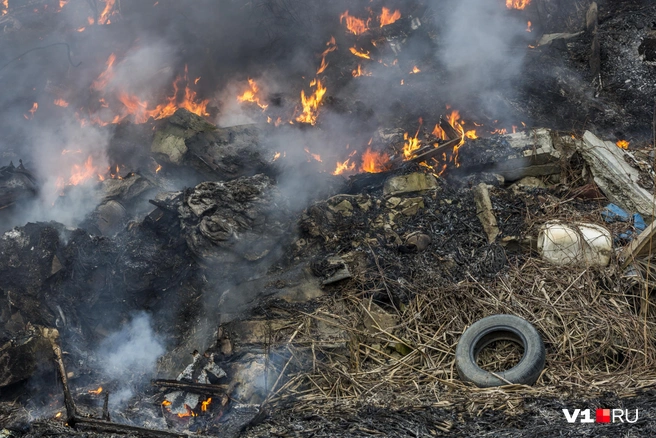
{"points": [[449, 130], [199, 388], [432, 152], [52, 335]]}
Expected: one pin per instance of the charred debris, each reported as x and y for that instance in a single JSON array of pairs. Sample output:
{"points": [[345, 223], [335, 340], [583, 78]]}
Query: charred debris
{"points": [[222, 265]]}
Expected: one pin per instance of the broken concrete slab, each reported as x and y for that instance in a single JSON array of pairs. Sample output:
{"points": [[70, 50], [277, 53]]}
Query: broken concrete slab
{"points": [[614, 176]]}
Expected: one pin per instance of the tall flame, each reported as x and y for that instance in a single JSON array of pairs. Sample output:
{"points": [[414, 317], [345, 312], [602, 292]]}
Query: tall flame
{"points": [[374, 162], [311, 103], [106, 76], [35, 106], [332, 46], [386, 17], [354, 25], [107, 12]]}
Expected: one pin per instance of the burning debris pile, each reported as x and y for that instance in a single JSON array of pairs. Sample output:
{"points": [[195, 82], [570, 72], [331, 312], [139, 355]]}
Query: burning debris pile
{"points": [[209, 228]]}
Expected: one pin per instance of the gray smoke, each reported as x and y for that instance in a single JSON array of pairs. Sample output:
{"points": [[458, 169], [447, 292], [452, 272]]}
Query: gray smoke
{"points": [[129, 355]]}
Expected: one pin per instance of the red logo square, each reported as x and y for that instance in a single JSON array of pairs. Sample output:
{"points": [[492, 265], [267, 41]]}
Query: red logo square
{"points": [[603, 415]]}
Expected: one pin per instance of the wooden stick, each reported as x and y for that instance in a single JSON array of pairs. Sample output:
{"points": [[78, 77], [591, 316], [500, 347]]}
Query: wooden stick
{"points": [[199, 388], [52, 335], [105, 414]]}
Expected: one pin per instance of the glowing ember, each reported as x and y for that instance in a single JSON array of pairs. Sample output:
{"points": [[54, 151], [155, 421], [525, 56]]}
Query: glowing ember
{"points": [[316, 157], [354, 25], [311, 103], [517, 4], [63, 3], [360, 72], [529, 27], [5, 6], [415, 70], [96, 391], [374, 162], [106, 75], [204, 405], [276, 156], [332, 46], [35, 106], [344, 166], [159, 167], [58, 415], [360, 54], [251, 95], [189, 412], [622, 144], [386, 17], [166, 403], [107, 12]]}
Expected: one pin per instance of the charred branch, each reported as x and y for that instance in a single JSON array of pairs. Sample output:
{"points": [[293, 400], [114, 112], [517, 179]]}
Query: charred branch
{"points": [[199, 388]]}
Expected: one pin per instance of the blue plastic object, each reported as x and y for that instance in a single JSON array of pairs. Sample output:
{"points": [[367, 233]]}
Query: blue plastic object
{"points": [[613, 213], [639, 222]]}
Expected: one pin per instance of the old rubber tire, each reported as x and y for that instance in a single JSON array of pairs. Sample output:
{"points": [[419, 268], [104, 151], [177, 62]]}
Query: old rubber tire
{"points": [[500, 328]]}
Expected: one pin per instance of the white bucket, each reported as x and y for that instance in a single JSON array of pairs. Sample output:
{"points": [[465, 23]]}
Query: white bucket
{"points": [[575, 243]]}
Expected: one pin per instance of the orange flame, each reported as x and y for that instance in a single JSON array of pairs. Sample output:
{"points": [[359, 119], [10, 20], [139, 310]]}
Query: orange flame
{"points": [[311, 103], [106, 76], [63, 3], [96, 391], [344, 166], [316, 157], [107, 12], [388, 18], [204, 405], [35, 106], [5, 6], [159, 167], [415, 70], [471, 134], [360, 72], [355, 25], [517, 4], [58, 415], [622, 144], [166, 403], [529, 27], [374, 162], [189, 412], [363, 54], [79, 174], [411, 143], [439, 132], [332, 46], [251, 95]]}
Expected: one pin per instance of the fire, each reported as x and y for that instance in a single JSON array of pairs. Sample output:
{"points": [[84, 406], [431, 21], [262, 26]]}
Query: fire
{"points": [[82, 173], [502, 131], [439, 132], [81, 29], [107, 12], [388, 18], [70, 151], [5, 6], [104, 78], [204, 405], [362, 54], [190, 102], [360, 72], [374, 162], [96, 391], [355, 25], [344, 166], [311, 103], [411, 143], [276, 156], [166, 403], [332, 46], [415, 70], [316, 157], [471, 134], [622, 144], [63, 3], [159, 167], [58, 415], [517, 4], [251, 95], [189, 412], [529, 27], [196, 80], [35, 106]]}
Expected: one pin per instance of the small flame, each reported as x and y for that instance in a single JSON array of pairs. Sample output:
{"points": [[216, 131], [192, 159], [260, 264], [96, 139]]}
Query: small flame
{"points": [[502, 131], [360, 72], [354, 25], [96, 391], [517, 4], [106, 76], [5, 6], [411, 143], [344, 166], [204, 405], [189, 412], [166, 403], [360, 54], [196, 80], [107, 12], [316, 157], [311, 103], [388, 18], [529, 27], [251, 95], [81, 29], [415, 70], [35, 106], [159, 167], [332, 46], [623, 144], [276, 156], [62, 3], [58, 415], [471, 134], [374, 162]]}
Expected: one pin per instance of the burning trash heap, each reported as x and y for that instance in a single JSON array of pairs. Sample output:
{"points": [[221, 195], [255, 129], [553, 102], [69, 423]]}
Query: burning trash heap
{"points": [[401, 223]]}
